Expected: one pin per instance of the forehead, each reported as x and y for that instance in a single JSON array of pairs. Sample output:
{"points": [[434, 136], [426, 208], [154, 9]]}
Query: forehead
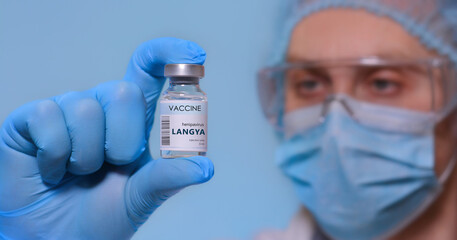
{"points": [[348, 33]]}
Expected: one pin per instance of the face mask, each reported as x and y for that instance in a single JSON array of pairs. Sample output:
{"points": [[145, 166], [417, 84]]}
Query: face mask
{"points": [[360, 178]]}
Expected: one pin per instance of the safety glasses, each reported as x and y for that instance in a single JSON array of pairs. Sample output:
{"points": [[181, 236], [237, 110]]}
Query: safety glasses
{"points": [[424, 85]]}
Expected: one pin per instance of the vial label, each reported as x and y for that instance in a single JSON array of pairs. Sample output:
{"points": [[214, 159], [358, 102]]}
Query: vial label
{"points": [[183, 125]]}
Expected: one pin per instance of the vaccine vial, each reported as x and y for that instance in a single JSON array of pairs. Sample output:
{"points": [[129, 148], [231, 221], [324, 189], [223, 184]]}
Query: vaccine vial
{"points": [[183, 112]]}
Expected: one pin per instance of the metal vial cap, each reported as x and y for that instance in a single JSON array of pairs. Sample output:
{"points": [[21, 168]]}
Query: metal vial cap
{"points": [[184, 70]]}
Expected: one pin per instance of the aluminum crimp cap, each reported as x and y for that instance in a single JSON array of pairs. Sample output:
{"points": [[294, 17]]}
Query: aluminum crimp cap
{"points": [[184, 70]]}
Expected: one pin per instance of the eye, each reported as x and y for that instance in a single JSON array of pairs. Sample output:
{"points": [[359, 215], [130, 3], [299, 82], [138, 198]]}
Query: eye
{"points": [[384, 85], [310, 87], [309, 84]]}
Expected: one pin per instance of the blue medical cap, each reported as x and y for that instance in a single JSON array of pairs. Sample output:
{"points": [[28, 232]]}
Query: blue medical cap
{"points": [[433, 22]]}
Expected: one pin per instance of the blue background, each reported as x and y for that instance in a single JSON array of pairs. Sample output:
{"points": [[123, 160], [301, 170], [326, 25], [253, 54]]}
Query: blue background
{"points": [[51, 47]]}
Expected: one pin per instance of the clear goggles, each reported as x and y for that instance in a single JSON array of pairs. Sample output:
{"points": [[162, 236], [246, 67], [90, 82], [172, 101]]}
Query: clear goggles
{"points": [[423, 86]]}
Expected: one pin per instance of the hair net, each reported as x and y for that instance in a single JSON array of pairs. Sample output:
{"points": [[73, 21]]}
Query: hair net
{"points": [[433, 22]]}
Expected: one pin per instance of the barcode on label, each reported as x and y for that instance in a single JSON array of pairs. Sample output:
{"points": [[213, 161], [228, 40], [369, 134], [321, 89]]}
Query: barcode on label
{"points": [[165, 130]]}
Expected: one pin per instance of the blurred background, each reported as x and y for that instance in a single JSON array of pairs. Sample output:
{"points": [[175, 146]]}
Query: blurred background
{"points": [[50, 47]]}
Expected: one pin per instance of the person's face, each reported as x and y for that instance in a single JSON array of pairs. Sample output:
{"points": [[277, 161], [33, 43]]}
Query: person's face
{"points": [[340, 34]]}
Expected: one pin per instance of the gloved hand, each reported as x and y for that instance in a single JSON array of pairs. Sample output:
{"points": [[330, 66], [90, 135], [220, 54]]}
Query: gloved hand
{"points": [[77, 166]]}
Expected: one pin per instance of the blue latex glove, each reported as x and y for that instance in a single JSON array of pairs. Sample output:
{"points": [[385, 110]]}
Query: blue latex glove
{"points": [[77, 166]]}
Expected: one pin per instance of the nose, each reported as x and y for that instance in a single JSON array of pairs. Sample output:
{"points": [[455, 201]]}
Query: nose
{"points": [[343, 80], [339, 99]]}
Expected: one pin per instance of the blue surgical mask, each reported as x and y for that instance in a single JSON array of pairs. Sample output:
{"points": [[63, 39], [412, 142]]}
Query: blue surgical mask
{"points": [[360, 173]]}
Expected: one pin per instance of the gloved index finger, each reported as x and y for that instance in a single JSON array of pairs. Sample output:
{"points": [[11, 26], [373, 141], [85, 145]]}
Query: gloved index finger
{"points": [[146, 67]]}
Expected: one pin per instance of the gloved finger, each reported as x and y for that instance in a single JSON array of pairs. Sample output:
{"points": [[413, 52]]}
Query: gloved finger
{"points": [[86, 127], [43, 122], [160, 179], [146, 67], [125, 116]]}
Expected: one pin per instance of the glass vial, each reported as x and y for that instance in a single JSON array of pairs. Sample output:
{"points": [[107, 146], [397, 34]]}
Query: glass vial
{"points": [[183, 113]]}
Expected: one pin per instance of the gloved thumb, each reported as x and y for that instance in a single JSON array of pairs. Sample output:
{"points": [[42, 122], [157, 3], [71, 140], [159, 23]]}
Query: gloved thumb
{"points": [[160, 179], [146, 67]]}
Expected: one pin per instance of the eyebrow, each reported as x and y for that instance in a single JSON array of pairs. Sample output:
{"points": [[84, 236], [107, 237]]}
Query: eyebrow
{"points": [[389, 54], [319, 71], [322, 71]]}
